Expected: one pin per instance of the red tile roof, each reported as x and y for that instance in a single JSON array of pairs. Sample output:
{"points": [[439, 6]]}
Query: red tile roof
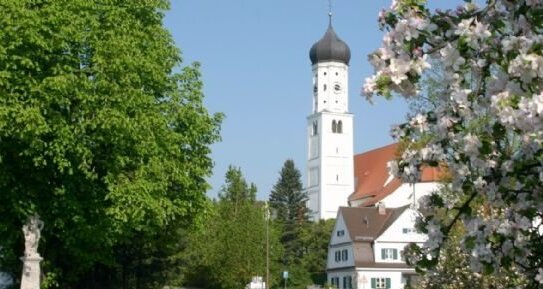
{"points": [[371, 175]]}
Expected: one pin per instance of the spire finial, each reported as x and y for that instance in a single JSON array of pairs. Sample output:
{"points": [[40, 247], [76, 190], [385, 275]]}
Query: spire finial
{"points": [[330, 12]]}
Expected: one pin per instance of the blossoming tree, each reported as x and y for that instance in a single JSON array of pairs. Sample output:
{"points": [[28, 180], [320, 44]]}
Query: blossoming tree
{"points": [[486, 128]]}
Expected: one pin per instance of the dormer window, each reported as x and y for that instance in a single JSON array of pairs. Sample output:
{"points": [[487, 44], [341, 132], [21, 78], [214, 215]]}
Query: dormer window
{"points": [[340, 233]]}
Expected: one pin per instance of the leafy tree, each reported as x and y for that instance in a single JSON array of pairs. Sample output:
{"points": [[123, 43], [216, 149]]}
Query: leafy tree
{"points": [[289, 202], [231, 246], [310, 268], [99, 136], [315, 238], [485, 128]]}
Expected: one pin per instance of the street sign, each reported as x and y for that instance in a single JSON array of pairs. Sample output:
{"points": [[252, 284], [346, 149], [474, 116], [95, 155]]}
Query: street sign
{"points": [[285, 274]]}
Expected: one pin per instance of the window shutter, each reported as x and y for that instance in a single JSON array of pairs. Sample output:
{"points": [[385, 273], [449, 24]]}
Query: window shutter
{"points": [[383, 254], [395, 254], [388, 282]]}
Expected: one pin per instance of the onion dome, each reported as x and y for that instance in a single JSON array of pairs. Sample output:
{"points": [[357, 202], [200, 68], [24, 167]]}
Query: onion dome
{"points": [[330, 48]]}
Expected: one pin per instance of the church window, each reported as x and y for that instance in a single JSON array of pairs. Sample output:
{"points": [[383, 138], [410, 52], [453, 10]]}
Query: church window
{"points": [[337, 256], [337, 87], [325, 73], [337, 74], [334, 126], [313, 177], [340, 233], [324, 87], [337, 178], [340, 127], [315, 129]]}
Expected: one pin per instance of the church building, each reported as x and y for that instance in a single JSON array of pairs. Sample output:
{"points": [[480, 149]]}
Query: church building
{"points": [[374, 211]]}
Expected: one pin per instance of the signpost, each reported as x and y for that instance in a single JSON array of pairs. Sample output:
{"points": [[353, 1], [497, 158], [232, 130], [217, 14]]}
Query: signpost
{"points": [[285, 277]]}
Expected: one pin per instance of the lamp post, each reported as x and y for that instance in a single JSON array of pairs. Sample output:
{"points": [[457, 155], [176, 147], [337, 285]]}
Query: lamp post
{"points": [[267, 245]]}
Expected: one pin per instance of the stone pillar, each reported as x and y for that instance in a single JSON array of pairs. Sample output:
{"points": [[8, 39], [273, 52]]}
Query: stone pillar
{"points": [[31, 272]]}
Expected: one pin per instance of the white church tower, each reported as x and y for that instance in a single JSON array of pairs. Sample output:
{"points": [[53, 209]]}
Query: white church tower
{"points": [[330, 172]]}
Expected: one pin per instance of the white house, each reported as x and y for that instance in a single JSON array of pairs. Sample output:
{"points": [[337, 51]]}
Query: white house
{"points": [[366, 248]]}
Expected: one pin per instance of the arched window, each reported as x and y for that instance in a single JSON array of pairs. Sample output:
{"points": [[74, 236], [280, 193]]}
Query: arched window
{"points": [[315, 128], [340, 127], [334, 126]]}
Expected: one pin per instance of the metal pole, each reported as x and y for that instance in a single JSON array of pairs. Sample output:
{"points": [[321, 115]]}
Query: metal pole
{"points": [[267, 247]]}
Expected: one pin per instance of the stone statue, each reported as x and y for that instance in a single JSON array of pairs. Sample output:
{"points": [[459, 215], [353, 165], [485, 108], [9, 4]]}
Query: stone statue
{"points": [[31, 261], [32, 232]]}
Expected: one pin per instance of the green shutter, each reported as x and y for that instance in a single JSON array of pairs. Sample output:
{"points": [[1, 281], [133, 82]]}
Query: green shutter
{"points": [[388, 283], [395, 254], [373, 281], [383, 254]]}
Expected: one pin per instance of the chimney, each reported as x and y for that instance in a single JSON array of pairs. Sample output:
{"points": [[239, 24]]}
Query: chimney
{"points": [[381, 207]]}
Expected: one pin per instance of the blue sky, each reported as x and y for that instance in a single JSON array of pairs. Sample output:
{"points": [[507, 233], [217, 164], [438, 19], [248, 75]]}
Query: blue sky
{"points": [[256, 70]]}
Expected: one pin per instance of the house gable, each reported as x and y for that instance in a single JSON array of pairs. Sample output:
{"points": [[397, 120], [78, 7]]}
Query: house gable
{"points": [[340, 234], [402, 230]]}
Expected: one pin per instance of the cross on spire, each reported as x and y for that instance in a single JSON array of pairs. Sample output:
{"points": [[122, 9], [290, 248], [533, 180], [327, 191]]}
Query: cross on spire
{"points": [[330, 12]]}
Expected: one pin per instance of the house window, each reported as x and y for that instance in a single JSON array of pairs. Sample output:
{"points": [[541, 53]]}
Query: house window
{"points": [[335, 282], [340, 233], [380, 283], [389, 254], [408, 230], [347, 282], [337, 256], [344, 255]]}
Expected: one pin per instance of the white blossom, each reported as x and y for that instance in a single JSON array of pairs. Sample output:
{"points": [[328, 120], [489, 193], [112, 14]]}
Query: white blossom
{"points": [[487, 125]]}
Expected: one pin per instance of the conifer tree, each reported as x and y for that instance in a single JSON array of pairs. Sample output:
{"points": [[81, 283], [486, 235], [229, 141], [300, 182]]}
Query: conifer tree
{"points": [[288, 200]]}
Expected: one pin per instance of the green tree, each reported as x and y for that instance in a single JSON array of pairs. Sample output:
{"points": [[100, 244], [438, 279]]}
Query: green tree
{"points": [[99, 136], [315, 238], [288, 200], [231, 246]]}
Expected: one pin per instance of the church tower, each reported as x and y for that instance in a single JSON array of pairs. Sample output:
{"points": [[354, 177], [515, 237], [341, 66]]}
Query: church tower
{"points": [[330, 172]]}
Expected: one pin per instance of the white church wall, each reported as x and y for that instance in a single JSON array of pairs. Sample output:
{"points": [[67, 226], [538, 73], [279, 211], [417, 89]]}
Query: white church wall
{"points": [[407, 193]]}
